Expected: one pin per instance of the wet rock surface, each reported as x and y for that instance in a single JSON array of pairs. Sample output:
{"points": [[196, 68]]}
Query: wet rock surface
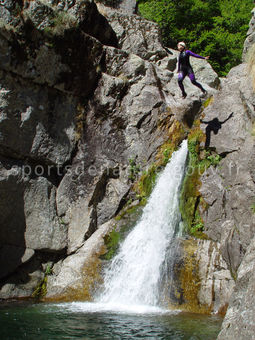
{"points": [[198, 279]]}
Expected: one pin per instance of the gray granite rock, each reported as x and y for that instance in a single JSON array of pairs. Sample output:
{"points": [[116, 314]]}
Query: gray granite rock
{"points": [[229, 192], [135, 34], [216, 284], [76, 276], [227, 188], [239, 320], [43, 228], [126, 6], [43, 118]]}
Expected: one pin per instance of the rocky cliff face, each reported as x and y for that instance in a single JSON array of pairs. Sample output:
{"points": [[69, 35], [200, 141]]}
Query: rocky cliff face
{"points": [[89, 102], [80, 98], [238, 228]]}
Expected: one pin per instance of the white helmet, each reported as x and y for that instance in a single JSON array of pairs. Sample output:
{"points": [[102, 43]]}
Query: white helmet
{"points": [[182, 43]]}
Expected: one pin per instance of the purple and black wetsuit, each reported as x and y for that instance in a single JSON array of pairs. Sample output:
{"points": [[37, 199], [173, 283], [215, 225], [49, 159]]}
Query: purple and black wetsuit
{"points": [[184, 69]]}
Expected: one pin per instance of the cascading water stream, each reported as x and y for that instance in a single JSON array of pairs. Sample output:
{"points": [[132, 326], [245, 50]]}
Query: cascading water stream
{"points": [[133, 276]]}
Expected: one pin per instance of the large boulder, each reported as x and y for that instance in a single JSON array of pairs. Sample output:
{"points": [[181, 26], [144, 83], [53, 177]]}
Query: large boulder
{"points": [[28, 220], [239, 320], [76, 276], [135, 34], [127, 6], [198, 278]]}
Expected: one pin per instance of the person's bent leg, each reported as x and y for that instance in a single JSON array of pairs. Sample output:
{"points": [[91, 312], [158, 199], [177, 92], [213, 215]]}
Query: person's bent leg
{"points": [[180, 83], [194, 82]]}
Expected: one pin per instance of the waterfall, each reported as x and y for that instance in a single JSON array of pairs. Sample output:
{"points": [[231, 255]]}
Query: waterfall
{"points": [[133, 276]]}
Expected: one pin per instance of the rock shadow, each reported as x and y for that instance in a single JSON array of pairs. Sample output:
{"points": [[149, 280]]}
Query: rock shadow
{"points": [[214, 126], [12, 225]]}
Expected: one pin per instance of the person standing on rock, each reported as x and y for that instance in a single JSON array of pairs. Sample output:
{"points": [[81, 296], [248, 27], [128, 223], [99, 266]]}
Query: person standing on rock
{"points": [[184, 68]]}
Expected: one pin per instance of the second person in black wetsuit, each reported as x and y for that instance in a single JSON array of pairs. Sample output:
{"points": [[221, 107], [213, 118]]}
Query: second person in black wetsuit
{"points": [[184, 68]]}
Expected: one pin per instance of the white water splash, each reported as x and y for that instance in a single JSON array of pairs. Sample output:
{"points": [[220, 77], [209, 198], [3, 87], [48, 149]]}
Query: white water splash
{"points": [[96, 307], [134, 274]]}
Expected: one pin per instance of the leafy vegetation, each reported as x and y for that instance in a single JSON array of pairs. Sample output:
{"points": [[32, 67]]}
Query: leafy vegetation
{"points": [[41, 289], [143, 187], [146, 182], [177, 133], [59, 22], [134, 169], [209, 27], [125, 221], [112, 244]]}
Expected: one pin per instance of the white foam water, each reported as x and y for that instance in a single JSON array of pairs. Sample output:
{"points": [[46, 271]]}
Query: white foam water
{"points": [[97, 307], [132, 280]]}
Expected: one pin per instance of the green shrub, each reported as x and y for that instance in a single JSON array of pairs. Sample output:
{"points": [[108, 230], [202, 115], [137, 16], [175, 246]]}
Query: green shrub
{"points": [[134, 169], [60, 22], [209, 27]]}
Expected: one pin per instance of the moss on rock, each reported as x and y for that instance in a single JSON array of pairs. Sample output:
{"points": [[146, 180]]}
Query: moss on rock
{"points": [[183, 282], [112, 244], [146, 182], [176, 133], [190, 280], [125, 221], [191, 200], [41, 289]]}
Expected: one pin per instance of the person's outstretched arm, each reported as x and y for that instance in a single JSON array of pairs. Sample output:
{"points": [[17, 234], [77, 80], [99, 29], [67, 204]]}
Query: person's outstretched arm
{"points": [[192, 54]]}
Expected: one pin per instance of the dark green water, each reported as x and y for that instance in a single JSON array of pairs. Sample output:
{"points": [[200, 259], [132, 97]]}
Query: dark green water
{"points": [[71, 321]]}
